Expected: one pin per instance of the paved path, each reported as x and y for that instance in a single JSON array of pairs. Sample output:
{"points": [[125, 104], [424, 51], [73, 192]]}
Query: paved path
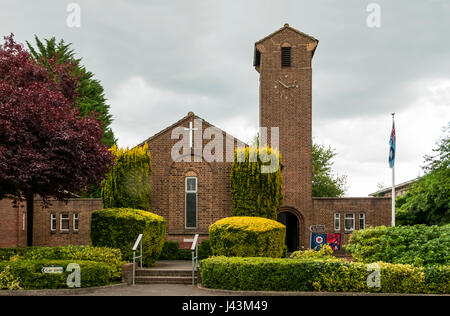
{"points": [[172, 290]]}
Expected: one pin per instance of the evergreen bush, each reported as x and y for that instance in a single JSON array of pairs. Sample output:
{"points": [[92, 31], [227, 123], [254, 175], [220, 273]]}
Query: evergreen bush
{"points": [[245, 236], [418, 244], [172, 251], [119, 228]]}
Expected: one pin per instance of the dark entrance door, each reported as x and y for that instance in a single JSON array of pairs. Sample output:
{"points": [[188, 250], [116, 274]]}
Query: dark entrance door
{"points": [[292, 230]]}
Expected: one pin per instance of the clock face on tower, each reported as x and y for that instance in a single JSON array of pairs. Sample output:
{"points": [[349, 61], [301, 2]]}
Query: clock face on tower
{"points": [[285, 86]]}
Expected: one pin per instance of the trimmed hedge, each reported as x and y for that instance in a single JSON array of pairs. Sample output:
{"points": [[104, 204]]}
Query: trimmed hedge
{"points": [[417, 245], [128, 182], [30, 277], [324, 253], [112, 257], [247, 237], [172, 251], [274, 274], [256, 191], [119, 228], [204, 249]]}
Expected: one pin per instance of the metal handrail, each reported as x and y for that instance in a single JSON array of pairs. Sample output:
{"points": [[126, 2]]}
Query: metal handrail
{"points": [[194, 249], [136, 244]]}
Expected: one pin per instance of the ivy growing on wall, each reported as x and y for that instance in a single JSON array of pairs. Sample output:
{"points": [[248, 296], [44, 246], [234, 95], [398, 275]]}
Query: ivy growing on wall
{"points": [[256, 182], [128, 182]]}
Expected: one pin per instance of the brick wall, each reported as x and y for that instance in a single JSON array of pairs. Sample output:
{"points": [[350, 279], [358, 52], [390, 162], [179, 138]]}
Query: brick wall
{"points": [[168, 184], [12, 224], [290, 109], [42, 234], [377, 212]]}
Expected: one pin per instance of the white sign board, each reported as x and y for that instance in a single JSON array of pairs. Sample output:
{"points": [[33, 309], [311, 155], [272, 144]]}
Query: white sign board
{"points": [[317, 228], [52, 270]]}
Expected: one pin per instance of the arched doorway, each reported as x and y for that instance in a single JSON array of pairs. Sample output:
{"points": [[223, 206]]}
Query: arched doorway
{"points": [[292, 224]]}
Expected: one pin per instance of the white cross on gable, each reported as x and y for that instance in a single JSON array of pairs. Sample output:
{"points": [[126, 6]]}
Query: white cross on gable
{"points": [[190, 129]]}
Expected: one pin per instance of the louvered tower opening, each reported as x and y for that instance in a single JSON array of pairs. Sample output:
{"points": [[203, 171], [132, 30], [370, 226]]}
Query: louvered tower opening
{"points": [[285, 57]]}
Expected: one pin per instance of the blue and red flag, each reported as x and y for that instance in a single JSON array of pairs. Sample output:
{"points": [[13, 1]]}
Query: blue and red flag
{"points": [[334, 240], [318, 240], [392, 147]]}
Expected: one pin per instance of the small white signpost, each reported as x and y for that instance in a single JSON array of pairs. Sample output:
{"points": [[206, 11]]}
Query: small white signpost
{"points": [[52, 270]]}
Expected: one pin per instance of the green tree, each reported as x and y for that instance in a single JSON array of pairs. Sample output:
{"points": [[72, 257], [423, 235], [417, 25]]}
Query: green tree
{"points": [[254, 190], [127, 185], [427, 201], [90, 93], [324, 182]]}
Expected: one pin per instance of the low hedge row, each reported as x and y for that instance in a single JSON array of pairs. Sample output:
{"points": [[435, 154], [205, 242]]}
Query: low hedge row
{"points": [[172, 251], [112, 257], [30, 277], [274, 274]]}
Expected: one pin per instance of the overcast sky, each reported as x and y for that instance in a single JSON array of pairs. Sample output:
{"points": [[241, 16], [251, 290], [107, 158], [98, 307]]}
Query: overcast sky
{"points": [[158, 60]]}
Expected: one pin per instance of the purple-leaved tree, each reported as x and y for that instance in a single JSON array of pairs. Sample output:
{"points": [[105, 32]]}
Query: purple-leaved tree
{"points": [[46, 149]]}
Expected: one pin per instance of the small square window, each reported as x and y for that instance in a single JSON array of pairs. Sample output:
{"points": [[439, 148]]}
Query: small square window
{"points": [[349, 222], [64, 222]]}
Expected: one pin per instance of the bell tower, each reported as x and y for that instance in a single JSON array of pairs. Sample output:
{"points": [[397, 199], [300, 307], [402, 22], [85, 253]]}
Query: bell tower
{"points": [[283, 60]]}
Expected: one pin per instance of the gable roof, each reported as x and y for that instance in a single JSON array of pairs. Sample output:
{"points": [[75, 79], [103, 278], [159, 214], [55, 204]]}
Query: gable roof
{"points": [[286, 26], [190, 115]]}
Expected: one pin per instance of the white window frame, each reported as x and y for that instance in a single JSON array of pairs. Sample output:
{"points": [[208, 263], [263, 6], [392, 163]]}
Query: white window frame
{"points": [[61, 221], [23, 221], [186, 191], [349, 216], [362, 216], [52, 218], [337, 217], [76, 219]]}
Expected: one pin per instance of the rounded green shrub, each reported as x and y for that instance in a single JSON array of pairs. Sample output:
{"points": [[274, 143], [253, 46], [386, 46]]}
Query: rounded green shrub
{"points": [[244, 236], [119, 228]]}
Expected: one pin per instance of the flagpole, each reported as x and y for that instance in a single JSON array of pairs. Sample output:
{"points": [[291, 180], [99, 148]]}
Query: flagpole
{"points": [[393, 188]]}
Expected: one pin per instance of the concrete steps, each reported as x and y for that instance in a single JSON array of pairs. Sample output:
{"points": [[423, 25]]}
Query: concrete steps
{"points": [[164, 276]]}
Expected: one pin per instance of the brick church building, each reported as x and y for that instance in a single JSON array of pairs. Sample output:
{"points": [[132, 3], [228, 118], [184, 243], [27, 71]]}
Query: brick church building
{"points": [[192, 192]]}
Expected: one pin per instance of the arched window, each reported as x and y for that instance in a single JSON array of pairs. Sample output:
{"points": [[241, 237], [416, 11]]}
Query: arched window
{"points": [[191, 202]]}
